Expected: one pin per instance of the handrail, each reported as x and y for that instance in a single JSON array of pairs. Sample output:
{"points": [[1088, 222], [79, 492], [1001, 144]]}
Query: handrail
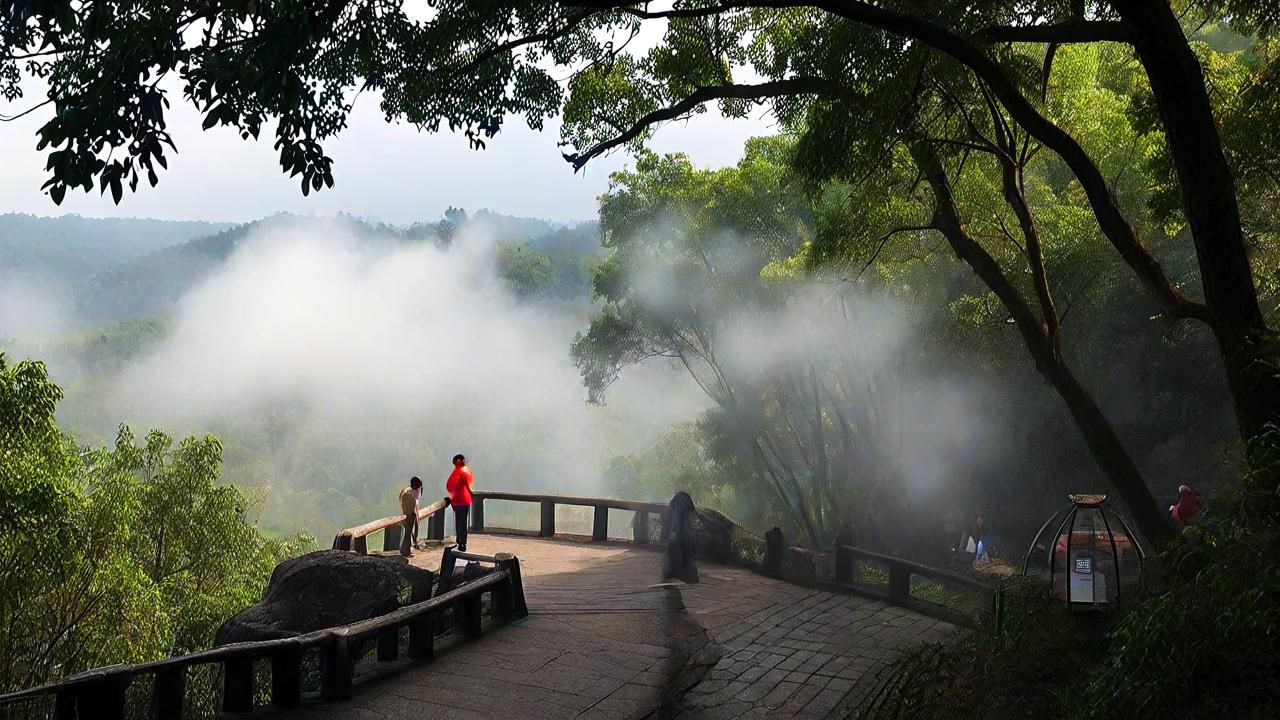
{"points": [[401, 616], [938, 574], [106, 687], [354, 538], [898, 589], [802, 567], [612, 503], [548, 503], [472, 556]]}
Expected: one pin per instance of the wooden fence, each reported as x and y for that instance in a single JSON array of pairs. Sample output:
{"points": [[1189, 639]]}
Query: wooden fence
{"points": [[931, 591], [100, 694], [547, 516], [355, 539], [956, 598]]}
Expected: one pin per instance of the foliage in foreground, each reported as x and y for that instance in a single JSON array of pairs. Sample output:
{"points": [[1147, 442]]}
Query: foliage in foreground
{"points": [[113, 555], [1204, 641], [1026, 671]]}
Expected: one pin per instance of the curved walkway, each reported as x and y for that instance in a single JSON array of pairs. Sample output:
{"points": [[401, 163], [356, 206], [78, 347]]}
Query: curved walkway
{"points": [[600, 642]]}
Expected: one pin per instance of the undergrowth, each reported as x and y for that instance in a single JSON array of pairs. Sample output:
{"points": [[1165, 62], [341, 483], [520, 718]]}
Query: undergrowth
{"points": [[1202, 640]]}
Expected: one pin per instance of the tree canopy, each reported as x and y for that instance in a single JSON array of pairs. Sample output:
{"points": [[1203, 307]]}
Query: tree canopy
{"points": [[114, 555], [471, 66]]}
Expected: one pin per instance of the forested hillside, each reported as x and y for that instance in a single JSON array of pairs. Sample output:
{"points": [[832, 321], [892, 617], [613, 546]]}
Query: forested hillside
{"points": [[71, 249]]}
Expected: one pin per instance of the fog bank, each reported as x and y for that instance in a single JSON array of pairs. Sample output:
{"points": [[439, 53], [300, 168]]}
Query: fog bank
{"points": [[340, 365]]}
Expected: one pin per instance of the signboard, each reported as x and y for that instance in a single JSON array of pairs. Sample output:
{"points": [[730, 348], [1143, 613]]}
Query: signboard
{"points": [[1082, 577]]}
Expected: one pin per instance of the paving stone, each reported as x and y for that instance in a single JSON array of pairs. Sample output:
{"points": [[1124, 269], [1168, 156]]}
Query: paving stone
{"points": [[599, 644], [833, 666], [823, 703], [779, 694], [796, 702], [840, 685], [797, 676], [816, 680], [763, 686]]}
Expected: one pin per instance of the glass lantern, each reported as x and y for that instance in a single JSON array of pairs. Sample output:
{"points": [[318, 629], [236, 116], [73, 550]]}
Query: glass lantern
{"points": [[1091, 559]]}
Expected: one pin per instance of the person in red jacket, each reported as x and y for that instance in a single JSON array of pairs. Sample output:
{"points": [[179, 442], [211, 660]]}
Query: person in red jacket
{"points": [[1188, 509], [459, 487]]}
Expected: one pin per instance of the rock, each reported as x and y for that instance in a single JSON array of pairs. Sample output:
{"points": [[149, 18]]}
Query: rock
{"points": [[713, 536], [321, 589]]}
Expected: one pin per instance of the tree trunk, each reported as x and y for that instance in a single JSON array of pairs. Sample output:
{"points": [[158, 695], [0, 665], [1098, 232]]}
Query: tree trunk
{"points": [[1099, 435], [1209, 201]]}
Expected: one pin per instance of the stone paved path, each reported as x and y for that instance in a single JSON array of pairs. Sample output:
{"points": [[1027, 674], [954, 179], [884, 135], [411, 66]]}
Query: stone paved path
{"points": [[599, 643]]}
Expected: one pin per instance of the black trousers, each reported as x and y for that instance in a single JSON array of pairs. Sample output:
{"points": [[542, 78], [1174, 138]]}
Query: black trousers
{"points": [[461, 513]]}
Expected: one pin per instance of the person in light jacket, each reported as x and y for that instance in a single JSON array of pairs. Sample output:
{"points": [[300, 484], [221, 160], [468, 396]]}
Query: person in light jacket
{"points": [[409, 506]]}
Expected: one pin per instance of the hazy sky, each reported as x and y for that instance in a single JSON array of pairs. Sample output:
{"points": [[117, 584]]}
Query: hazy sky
{"points": [[391, 172]]}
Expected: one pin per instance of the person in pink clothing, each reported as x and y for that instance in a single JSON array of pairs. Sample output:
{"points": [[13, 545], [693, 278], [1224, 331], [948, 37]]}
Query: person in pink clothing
{"points": [[459, 488], [1188, 508]]}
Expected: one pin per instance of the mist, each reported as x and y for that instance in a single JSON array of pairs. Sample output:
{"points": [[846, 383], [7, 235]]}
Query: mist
{"points": [[924, 412], [31, 308], [835, 394], [334, 364]]}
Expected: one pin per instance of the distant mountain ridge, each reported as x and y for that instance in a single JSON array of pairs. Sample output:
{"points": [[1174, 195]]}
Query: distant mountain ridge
{"points": [[127, 270], [70, 249]]}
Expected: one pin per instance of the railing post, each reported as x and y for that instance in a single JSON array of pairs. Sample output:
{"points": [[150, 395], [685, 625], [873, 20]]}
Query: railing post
{"points": [[286, 678], [435, 525], [899, 582], [237, 685], [64, 705], [99, 699], [773, 552], [640, 529], [335, 670], [843, 564], [806, 573], [477, 514], [468, 610], [422, 631], [600, 527], [510, 599], [391, 537], [988, 605], [166, 697], [389, 645], [447, 563], [547, 527]]}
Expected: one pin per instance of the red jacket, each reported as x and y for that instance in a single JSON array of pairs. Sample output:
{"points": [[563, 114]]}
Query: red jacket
{"points": [[1188, 507], [459, 485]]}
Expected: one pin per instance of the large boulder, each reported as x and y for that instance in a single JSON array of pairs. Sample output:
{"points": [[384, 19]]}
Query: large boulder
{"points": [[714, 535], [321, 589]]}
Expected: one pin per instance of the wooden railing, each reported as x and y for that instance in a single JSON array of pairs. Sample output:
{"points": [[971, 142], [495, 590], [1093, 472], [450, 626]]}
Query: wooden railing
{"points": [[100, 694], [355, 539], [973, 600], [548, 503], [898, 588]]}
